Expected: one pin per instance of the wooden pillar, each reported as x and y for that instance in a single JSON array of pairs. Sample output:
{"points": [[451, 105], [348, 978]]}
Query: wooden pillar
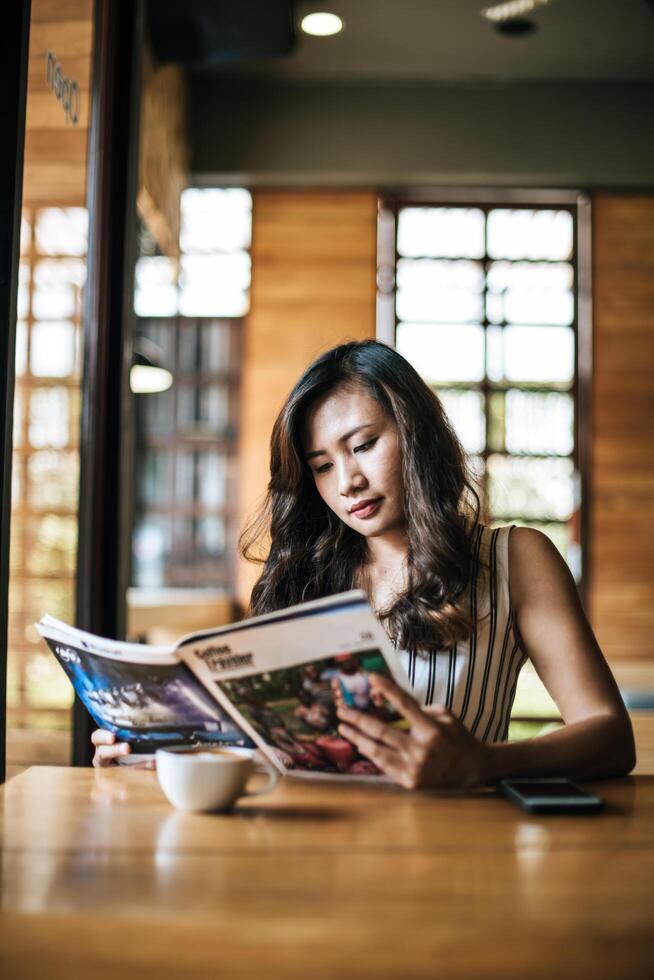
{"points": [[622, 471], [313, 286]]}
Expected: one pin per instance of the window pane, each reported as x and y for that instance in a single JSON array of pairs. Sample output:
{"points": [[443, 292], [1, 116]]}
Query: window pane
{"points": [[529, 292], [439, 290], [495, 353], [16, 480], [21, 347], [155, 477], [23, 295], [212, 478], [527, 234], [54, 545], [53, 479], [57, 288], [151, 546], [53, 596], [203, 410], [215, 285], [61, 231], [25, 235], [199, 552], [17, 604], [49, 418], [443, 352], [155, 292], [156, 339], [540, 488], [46, 683], [210, 536], [204, 347], [215, 220], [446, 232], [496, 421], [185, 468], [52, 349], [214, 347], [201, 476], [465, 409], [539, 353], [158, 409], [189, 348], [19, 413], [539, 423], [531, 354]]}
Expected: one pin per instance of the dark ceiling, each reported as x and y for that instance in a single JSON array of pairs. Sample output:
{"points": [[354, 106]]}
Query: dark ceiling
{"points": [[427, 41], [220, 32]]}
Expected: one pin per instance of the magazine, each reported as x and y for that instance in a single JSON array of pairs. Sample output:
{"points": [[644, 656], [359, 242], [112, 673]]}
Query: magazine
{"points": [[270, 682]]}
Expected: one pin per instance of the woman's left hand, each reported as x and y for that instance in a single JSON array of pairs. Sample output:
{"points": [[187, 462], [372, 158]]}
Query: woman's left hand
{"points": [[438, 752]]}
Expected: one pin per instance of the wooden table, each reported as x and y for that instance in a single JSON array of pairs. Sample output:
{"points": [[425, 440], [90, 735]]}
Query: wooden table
{"points": [[102, 879]]}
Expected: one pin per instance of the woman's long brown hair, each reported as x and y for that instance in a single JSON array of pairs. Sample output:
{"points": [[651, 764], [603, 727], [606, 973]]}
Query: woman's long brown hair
{"points": [[313, 553]]}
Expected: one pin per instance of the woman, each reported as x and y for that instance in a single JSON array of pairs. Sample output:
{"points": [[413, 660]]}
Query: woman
{"points": [[369, 489]]}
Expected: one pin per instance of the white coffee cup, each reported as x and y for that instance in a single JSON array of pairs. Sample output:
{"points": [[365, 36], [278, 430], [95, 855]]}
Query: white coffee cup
{"points": [[197, 778]]}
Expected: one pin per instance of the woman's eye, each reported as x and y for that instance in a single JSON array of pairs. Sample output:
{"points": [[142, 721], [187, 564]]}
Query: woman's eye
{"points": [[365, 446], [323, 468]]}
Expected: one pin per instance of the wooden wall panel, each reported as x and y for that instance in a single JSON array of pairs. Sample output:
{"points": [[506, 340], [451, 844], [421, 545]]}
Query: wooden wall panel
{"points": [[55, 151], [622, 479], [313, 286], [44, 113]]}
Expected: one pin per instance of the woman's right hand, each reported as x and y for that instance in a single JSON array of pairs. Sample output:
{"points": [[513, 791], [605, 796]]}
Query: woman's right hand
{"points": [[107, 749]]}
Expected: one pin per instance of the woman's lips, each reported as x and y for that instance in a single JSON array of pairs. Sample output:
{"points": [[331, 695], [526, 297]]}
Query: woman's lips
{"points": [[367, 509]]}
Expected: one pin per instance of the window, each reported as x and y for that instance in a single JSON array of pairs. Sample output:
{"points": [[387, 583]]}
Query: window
{"points": [[485, 309], [45, 459], [185, 462], [190, 310]]}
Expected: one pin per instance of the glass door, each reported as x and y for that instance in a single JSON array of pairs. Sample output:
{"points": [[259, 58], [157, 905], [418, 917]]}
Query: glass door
{"points": [[48, 359]]}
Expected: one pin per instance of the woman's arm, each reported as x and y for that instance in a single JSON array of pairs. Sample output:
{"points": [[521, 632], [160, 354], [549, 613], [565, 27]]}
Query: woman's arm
{"points": [[596, 739]]}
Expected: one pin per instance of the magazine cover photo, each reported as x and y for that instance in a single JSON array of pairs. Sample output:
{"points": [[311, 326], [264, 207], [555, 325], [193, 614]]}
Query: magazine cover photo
{"points": [[151, 705], [294, 710]]}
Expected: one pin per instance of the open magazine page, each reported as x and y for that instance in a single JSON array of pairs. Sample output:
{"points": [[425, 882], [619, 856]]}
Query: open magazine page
{"points": [[143, 694], [279, 674]]}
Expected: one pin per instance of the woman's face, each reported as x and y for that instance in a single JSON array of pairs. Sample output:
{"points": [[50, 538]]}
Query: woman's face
{"points": [[351, 445]]}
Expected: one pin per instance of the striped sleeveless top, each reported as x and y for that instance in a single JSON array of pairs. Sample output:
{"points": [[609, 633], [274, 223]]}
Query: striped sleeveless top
{"points": [[477, 678]]}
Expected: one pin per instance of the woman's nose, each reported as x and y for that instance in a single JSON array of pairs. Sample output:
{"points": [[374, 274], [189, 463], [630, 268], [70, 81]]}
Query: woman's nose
{"points": [[350, 477]]}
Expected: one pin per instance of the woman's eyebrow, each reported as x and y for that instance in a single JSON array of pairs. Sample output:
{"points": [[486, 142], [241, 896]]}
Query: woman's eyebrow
{"points": [[343, 438]]}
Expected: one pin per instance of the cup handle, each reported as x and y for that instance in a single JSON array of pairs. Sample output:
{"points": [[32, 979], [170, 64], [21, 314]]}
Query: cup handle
{"points": [[273, 776]]}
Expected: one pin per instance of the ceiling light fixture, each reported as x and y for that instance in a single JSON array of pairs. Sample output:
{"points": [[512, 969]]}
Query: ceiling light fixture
{"points": [[512, 9], [146, 375], [321, 24]]}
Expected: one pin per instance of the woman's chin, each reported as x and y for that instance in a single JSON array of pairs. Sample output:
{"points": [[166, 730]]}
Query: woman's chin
{"points": [[376, 529]]}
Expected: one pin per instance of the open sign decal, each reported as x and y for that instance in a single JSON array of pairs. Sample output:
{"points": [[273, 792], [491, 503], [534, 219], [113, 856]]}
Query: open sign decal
{"points": [[66, 90]]}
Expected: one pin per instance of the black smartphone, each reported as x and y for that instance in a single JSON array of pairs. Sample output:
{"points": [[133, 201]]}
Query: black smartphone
{"points": [[550, 796]]}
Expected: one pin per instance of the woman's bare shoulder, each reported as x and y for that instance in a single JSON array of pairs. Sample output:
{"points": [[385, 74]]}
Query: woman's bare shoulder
{"points": [[536, 567], [529, 541]]}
